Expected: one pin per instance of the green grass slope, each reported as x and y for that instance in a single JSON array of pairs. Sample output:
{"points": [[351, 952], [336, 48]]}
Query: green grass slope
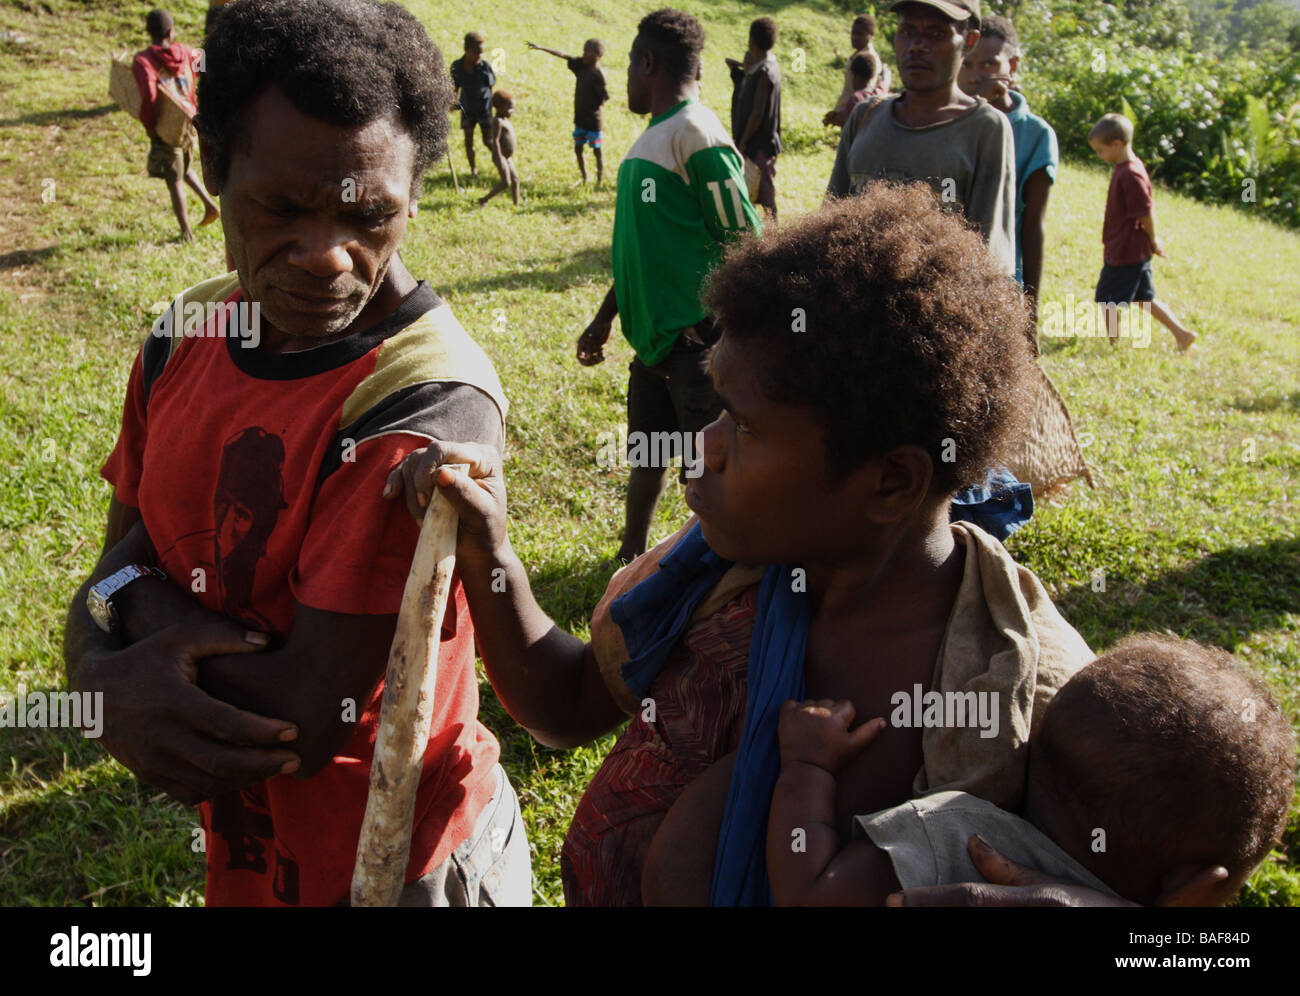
{"points": [[1194, 531]]}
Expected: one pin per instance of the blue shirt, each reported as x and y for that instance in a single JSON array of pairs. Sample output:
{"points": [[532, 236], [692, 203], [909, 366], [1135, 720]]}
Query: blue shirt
{"points": [[1035, 149]]}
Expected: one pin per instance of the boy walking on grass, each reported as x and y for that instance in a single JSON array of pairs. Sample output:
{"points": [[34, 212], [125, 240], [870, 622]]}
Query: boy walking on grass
{"points": [[501, 140], [473, 79], [589, 93], [1128, 232], [169, 63]]}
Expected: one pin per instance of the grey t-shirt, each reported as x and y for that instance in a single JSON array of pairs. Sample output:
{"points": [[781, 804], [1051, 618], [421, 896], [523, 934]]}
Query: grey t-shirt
{"points": [[970, 162], [927, 840]]}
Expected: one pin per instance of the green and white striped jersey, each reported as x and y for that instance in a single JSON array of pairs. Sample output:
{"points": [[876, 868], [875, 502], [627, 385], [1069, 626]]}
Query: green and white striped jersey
{"points": [[681, 198]]}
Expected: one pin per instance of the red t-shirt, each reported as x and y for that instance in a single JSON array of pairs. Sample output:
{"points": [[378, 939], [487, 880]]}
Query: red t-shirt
{"points": [[1127, 200], [172, 67], [248, 480]]}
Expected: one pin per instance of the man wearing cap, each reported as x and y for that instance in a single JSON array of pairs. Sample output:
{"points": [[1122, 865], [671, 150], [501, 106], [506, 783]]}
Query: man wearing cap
{"points": [[934, 132]]}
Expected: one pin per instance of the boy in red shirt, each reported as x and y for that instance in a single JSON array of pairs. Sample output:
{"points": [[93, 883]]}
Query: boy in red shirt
{"points": [[1129, 232], [169, 63]]}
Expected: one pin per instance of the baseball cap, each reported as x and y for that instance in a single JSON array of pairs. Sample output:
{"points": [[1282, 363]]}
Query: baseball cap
{"points": [[954, 10]]}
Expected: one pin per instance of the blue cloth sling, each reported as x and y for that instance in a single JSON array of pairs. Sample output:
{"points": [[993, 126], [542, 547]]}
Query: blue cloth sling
{"points": [[653, 617]]}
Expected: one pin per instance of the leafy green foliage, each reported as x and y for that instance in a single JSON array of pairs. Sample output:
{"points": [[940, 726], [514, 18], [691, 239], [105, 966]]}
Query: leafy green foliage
{"points": [[1223, 127]]}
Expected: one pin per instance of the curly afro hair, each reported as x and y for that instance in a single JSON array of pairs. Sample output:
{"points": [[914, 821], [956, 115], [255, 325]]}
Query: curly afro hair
{"points": [[676, 38], [346, 62], [889, 319]]}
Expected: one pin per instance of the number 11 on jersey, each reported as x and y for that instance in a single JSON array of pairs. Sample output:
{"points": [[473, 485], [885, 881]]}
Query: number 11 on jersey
{"points": [[716, 190]]}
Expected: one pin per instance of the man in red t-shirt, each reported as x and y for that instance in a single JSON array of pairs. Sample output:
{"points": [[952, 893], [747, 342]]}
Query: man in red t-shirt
{"points": [[1128, 233], [170, 64], [251, 568]]}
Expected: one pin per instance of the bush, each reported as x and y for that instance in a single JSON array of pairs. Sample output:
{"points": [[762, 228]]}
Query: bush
{"points": [[1223, 129]]}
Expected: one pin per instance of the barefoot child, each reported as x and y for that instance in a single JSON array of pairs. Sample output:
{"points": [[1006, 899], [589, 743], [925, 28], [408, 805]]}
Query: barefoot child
{"points": [[473, 79], [169, 63], [1129, 233], [1161, 773], [589, 93], [501, 140]]}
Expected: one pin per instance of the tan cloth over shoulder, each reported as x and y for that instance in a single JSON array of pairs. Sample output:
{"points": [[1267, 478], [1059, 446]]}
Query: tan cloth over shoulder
{"points": [[1004, 635]]}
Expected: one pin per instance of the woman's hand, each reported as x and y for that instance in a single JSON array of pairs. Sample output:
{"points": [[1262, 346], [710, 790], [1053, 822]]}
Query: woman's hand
{"points": [[1008, 884]]}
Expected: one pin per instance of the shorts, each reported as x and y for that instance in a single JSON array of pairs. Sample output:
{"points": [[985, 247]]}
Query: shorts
{"points": [[581, 135], [168, 162], [493, 866], [1122, 284], [675, 395], [468, 121], [765, 192]]}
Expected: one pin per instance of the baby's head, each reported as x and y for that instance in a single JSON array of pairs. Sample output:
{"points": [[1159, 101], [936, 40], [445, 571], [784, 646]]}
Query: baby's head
{"points": [[1158, 761], [503, 103]]}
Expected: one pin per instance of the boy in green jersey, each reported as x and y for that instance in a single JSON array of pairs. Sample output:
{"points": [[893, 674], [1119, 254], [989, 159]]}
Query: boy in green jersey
{"points": [[681, 198]]}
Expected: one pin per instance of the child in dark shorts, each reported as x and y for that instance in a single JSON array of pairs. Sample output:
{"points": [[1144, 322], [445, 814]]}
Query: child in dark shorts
{"points": [[1128, 233], [168, 63], [501, 140], [1160, 773], [589, 93], [474, 79]]}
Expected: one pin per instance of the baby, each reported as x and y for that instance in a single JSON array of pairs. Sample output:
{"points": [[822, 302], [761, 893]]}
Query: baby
{"points": [[1162, 773]]}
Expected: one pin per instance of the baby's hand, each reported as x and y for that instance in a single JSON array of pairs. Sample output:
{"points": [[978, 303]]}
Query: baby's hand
{"points": [[817, 732]]}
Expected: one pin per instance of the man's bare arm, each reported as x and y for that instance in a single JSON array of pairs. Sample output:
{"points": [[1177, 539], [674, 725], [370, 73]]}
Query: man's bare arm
{"points": [[549, 51], [156, 721], [329, 660], [1033, 233]]}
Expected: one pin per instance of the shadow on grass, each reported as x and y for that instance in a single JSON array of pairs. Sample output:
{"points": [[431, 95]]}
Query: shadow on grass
{"points": [[1269, 403], [59, 117], [1221, 600], [27, 257], [549, 273]]}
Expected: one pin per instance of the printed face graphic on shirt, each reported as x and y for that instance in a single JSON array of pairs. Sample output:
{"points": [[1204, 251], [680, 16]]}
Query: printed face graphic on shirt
{"points": [[247, 503]]}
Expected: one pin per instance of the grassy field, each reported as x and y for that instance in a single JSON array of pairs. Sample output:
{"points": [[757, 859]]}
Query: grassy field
{"points": [[1194, 528]]}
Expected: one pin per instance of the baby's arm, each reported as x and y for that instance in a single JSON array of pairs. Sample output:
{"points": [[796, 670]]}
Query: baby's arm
{"points": [[805, 862]]}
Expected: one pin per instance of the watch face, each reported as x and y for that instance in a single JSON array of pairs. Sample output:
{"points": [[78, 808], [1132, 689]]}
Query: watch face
{"points": [[101, 611]]}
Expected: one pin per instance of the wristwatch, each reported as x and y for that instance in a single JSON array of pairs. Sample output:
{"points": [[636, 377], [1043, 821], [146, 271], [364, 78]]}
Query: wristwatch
{"points": [[99, 601]]}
